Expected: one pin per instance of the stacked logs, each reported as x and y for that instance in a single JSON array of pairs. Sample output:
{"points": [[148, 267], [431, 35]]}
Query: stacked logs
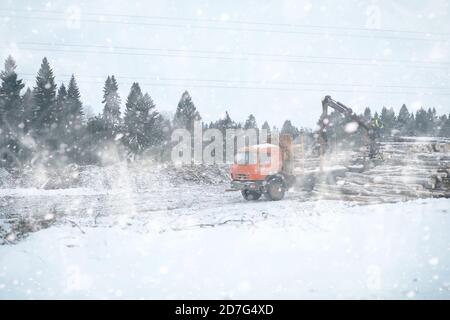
{"points": [[409, 168]]}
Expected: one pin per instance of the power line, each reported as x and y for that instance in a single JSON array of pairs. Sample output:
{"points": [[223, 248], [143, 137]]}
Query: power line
{"points": [[185, 27], [228, 21], [53, 50], [222, 52], [260, 82], [157, 84]]}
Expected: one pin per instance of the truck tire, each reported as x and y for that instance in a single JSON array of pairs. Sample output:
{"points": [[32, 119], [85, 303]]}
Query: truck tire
{"points": [[275, 190], [250, 195]]}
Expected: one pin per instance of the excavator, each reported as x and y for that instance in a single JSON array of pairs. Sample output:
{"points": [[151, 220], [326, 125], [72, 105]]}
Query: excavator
{"points": [[268, 169]]}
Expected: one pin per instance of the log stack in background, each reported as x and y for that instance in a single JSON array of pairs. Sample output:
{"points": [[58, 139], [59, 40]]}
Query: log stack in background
{"points": [[409, 168]]}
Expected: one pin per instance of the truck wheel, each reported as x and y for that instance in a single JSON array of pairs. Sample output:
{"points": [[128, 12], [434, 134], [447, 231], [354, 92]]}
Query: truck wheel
{"points": [[251, 195], [275, 190]]}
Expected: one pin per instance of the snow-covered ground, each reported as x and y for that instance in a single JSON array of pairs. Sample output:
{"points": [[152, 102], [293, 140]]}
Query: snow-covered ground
{"points": [[166, 239]]}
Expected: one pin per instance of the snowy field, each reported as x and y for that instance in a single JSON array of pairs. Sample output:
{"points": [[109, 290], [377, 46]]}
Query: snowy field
{"points": [[170, 239]]}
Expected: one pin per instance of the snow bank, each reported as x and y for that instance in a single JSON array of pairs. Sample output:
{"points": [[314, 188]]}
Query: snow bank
{"points": [[380, 251], [95, 194]]}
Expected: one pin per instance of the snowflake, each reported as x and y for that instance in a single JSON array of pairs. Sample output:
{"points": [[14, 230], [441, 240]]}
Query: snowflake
{"points": [[433, 261], [351, 127]]}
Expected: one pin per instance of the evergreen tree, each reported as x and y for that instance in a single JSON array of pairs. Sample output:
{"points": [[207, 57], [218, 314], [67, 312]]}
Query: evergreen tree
{"points": [[166, 127], [74, 107], [27, 103], [60, 109], [44, 102], [250, 123], [288, 128], [11, 115], [403, 118], [11, 111], [445, 126], [411, 127], [422, 122], [367, 114], [432, 121], [186, 113], [152, 121], [72, 123], [143, 124], [133, 132], [94, 143], [111, 110], [388, 120], [225, 123], [266, 131]]}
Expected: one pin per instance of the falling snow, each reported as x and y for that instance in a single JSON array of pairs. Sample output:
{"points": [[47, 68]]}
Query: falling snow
{"points": [[128, 226]]}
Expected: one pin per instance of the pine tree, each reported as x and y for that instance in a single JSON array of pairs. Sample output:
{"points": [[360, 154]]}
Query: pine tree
{"points": [[367, 114], [265, 130], [27, 103], [225, 123], [432, 121], [445, 127], [72, 123], [411, 127], [441, 128], [165, 126], [44, 102], [422, 122], [288, 128], [60, 109], [186, 113], [403, 119], [93, 144], [143, 124], [250, 123], [387, 118], [11, 104], [152, 122], [133, 132], [74, 107], [11, 115], [111, 110]]}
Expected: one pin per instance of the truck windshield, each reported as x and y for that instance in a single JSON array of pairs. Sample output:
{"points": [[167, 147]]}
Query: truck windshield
{"points": [[246, 157]]}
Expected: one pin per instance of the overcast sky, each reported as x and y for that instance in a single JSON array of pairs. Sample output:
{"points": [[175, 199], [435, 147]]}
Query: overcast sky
{"points": [[276, 59]]}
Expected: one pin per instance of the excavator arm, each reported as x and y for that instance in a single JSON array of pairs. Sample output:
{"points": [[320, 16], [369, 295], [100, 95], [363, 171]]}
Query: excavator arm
{"points": [[343, 109], [346, 111]]}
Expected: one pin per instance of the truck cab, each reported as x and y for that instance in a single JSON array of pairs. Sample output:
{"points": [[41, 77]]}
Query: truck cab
{"points": [[258, 170]]}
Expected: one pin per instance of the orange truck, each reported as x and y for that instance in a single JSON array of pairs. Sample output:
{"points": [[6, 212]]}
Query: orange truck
{"points": [[264, 169], [267, 169]]}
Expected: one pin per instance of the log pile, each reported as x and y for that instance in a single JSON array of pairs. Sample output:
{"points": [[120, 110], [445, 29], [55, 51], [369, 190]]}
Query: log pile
{"points": [[408, 169]]}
